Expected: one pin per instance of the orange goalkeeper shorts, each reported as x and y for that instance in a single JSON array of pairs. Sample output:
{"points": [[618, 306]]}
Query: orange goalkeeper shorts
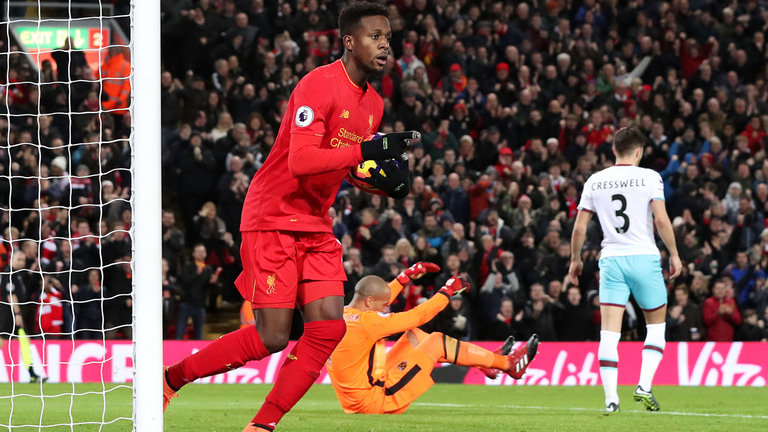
{"points": [[283, 269], [408, 376]]}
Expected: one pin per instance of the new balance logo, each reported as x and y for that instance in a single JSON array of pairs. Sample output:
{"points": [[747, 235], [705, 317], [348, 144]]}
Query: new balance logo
{"points": [[344, 114]]}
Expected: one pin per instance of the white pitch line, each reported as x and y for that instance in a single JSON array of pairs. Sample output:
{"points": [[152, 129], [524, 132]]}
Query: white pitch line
{"points": [[670, 413], [449, 405]]}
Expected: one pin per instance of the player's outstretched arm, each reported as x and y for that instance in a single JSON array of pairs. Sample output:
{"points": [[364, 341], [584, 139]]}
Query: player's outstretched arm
{"points": [[405, 277], [667, 234], [382, 325], [577, 242]]}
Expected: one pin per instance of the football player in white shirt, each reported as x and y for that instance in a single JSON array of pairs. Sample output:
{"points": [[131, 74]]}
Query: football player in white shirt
{"points": [[627, 199]]}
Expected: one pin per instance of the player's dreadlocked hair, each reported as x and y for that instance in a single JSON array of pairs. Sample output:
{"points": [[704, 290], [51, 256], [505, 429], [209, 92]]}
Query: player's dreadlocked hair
{"points": [[627, 139], [350, 16]]}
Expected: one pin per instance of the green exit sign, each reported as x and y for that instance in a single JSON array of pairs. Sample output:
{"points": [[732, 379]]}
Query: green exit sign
{"points": [[34, 38]]}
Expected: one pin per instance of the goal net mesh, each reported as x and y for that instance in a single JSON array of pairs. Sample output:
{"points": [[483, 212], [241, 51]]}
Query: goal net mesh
{"points": [[66, 203]]}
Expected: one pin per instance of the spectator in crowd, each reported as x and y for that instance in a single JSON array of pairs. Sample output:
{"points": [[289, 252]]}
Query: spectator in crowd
{"points": [[456, 199], [745, 277], [69, 62], [684, 321], [752, 329], [452, 321], [116, 243], [539, 314], [492, 293], [119, 308], [759, 299], [353, 266], [721, 314], [506, 322], [573, 317], [431, 231], [387, 267], [196, 279], [116, 86], [88, 307], [408, 62], [209, 228], [457, 242], [173, 240], [50, 313], [171, 292]]}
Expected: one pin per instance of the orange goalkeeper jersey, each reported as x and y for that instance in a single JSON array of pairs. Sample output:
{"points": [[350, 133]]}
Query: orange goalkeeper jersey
{"points": [[357, 365]]}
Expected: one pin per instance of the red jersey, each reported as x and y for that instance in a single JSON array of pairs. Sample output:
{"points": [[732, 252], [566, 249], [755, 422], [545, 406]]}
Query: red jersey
{"points": [[596, 137], [328, 116], [50, 312]]}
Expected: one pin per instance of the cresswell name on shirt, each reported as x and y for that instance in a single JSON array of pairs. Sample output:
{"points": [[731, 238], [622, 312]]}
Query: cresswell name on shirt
{"points": [[616, 184], [343, 137]]}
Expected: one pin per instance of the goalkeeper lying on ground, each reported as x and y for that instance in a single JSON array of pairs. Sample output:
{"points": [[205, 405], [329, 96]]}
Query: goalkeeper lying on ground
{"points": [[369, 380]]}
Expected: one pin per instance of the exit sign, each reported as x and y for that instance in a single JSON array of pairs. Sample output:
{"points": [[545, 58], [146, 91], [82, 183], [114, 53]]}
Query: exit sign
{"points": [[34, 38]]}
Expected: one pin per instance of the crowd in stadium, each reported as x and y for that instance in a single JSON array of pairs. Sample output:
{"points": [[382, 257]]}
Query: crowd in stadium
{"points": [[517, 103]]}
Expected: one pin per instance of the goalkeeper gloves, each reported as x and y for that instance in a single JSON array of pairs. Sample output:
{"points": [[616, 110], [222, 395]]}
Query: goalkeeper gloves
{"points": [[389, 146], [416, 271], [454, 285], [396, 180]]}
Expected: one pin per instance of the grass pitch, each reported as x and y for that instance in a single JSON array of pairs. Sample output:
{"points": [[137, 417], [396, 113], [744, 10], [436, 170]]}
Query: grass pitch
{"points": [[228, 408]]}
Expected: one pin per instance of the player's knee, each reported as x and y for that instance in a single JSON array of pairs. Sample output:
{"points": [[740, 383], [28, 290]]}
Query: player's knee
{"points": [[433, 344], [328, 330], [337, 329], [433, 338], [275, 342]]}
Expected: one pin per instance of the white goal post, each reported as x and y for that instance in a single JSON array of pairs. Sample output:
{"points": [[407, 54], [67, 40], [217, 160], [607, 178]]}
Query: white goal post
{"points": [[147, 337], [34, 32]]}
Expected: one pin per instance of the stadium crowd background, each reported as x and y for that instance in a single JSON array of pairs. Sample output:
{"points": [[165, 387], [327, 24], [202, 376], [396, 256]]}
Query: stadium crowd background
{"points": [[517, 103]]}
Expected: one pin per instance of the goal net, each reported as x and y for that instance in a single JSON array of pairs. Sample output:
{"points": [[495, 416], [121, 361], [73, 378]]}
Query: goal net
{"points": [[77, 255]]}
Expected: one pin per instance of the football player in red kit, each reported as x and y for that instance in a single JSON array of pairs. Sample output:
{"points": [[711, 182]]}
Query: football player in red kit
{"points": [[290, 256]]}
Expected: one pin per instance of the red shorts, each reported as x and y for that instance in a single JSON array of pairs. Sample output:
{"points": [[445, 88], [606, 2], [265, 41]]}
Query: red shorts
{"points": [[283, 269]]}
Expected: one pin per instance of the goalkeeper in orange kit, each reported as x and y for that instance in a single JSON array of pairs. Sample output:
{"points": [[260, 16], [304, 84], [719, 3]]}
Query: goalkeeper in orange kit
{"points": [[369, 380]]}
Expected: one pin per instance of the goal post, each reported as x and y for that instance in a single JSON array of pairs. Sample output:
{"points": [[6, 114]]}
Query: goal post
{"points": [[147, 311], [91, 376]]}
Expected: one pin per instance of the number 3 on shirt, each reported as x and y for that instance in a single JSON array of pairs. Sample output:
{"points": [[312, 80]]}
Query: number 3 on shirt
{"points": [[620, 213]]}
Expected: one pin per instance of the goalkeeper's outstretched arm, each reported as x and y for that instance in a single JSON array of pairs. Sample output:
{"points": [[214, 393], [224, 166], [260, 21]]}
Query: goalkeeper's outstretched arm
{"points": [[368, 297]]}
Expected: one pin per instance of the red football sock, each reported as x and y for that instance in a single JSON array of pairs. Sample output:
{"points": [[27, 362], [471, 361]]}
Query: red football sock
{"points": [[225, 353], [300, 370]]}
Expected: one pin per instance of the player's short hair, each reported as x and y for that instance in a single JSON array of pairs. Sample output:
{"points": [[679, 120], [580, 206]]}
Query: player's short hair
{"points": [[350, 16], [628, 139]]}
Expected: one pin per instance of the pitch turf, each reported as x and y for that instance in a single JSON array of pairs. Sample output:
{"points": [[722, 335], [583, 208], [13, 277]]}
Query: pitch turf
{"points": [[227, 408]]}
